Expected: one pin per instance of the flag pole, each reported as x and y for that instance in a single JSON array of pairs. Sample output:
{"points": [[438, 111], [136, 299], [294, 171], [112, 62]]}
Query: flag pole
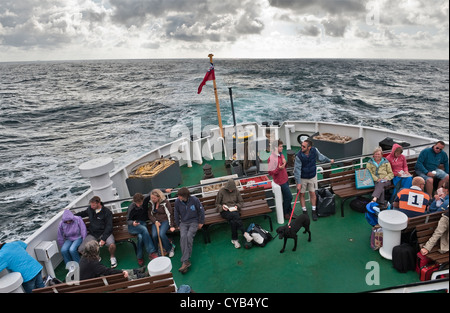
{"points": [[217, 99]]}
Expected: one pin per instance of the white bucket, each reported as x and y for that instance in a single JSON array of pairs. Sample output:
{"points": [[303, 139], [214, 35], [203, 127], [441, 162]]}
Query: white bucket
{"points": [[159, 265]]}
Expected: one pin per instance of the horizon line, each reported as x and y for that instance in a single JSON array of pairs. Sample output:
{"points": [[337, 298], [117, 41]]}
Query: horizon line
{"points": [[228, 58]]}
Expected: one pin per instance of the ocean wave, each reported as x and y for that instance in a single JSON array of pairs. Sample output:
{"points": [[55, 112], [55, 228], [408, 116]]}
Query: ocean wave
{"points": [[55, 116]]}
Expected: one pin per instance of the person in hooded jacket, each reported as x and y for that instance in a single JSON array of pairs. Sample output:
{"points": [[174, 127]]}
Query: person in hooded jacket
{"points": [[71, 233], [229, 202], [382, 174], [399, 167], [15, 258]]}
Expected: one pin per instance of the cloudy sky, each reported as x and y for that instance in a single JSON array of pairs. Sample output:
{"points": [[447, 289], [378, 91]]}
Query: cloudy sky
{"points": [[110, 29]]}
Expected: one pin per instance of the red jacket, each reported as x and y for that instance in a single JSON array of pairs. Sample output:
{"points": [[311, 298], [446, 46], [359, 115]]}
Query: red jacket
{"points": [[279, 176], [397, 164]]}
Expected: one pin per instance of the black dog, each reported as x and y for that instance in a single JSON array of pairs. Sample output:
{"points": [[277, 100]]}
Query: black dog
{"points": [[291, 232]]}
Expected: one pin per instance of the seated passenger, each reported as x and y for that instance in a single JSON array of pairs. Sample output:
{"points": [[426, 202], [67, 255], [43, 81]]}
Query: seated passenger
{"points": [[137, 216], [427, 165], [229, 202], [441, 232], [381, 171], [90, 266], [412, 201], [399, 167], [71, 233], [441, 199], [100, 227], [160, 212]]}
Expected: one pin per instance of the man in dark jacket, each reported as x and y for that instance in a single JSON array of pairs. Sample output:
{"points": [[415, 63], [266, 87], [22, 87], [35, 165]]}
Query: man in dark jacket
{"points": [[100, 227], [189, 216], [305, 173]]}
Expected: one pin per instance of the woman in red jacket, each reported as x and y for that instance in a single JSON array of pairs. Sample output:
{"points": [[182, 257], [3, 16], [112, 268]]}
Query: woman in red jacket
{"points": [[399, 168]]}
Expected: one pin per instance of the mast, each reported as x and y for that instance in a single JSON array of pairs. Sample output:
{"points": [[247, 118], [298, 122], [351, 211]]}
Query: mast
{"points": [[219, 117]]}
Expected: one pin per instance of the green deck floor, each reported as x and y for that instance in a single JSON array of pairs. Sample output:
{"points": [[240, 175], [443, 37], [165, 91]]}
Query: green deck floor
{"points": [[334, 261]]}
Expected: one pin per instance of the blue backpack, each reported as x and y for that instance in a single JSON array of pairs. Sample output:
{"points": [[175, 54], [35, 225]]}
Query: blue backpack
{"points": [[372, 211]]}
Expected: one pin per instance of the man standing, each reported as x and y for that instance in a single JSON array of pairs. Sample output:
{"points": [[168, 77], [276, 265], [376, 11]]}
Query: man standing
{"points": [[189, 216], [305, 173], [100, 227], [277, 169], [427, 165], [412, 201]]}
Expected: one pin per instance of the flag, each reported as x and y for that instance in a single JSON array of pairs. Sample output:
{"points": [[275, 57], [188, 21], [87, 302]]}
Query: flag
{"points": [[209, 76]]}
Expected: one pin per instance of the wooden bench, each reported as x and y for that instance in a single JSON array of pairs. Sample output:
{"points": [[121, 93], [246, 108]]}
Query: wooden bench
{"points": [[83, 284], [413, 222], [255, 204], [163, 283], [424, 232], [120, 229], [343, 183], [116, 283]]}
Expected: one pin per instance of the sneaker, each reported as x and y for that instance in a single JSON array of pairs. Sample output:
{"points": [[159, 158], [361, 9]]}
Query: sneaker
{"points": [[314, 215], [172, 252], [113, 262], [248, 237], [153, 255], [141, 262], [236, 243]]}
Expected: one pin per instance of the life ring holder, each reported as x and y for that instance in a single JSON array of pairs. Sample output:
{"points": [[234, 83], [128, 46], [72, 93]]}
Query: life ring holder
{"points": [[302, 137]]}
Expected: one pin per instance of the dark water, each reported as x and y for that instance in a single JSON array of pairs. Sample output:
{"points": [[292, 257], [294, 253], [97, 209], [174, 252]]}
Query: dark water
{"points": [[56, 115]]}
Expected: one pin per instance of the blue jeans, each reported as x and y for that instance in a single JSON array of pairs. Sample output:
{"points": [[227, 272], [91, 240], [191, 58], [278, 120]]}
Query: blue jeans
{"points": [[35, 282], [406, 182], [287, 198], [162, 233], [69, 250], [143, 238]]}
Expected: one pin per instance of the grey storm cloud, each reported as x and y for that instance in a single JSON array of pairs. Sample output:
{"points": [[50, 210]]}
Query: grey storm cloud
{"points": [[336, 15], [49, 25], [193, 20], [322, 6], [31, 23]]}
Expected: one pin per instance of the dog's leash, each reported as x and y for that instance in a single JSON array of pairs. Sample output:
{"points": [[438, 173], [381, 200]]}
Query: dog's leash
{"points": [[292, 213]]}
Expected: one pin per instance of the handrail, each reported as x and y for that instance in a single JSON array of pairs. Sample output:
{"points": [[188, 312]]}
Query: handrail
{"points": [[290, 169]]}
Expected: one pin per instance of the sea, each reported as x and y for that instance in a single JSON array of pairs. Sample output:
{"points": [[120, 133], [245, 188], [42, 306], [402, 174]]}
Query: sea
{"points": [[56, 115]]}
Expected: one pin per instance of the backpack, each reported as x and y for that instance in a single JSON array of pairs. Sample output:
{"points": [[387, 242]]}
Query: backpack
{"points": [[359, 204], [404, 258], [260, 236], [372, 213], [325, 202]]}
